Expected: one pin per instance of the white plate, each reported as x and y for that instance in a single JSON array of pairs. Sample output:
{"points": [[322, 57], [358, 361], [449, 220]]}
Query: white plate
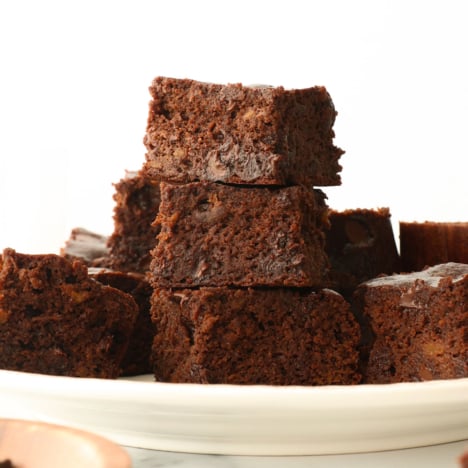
{"points": [[245, 420], [40, 445]]}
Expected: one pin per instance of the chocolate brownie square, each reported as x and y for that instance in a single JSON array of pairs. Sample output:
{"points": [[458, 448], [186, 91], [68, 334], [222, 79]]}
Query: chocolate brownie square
{"points": [[56, 320], [219, 235], [282, 336], [420, 324], [240, 134]]}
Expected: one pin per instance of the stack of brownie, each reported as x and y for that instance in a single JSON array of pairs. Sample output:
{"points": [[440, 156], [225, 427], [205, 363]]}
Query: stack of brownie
{"points": [[239, 266], [222, 252]]}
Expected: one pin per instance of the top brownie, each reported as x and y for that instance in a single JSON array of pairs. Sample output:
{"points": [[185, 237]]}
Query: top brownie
{"points": [[240, 135]]}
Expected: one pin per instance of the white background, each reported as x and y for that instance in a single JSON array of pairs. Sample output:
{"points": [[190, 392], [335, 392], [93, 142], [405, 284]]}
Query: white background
{"points": [[74, 80]]}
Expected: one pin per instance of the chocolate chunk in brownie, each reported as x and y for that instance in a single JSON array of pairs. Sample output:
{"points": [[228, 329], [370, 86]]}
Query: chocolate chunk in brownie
{"points": [[240, 134]]}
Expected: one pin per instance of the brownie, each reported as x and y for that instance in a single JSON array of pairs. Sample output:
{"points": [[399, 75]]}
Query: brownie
{"points": [[420, 324], [360, 245], [240, 134], [282, 336], [137, 358], [218, 235], [136, 205], [431, 243], [86, 245], [56, 320]]}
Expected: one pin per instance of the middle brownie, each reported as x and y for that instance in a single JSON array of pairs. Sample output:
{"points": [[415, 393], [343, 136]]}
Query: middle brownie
{"points": [[219, 235]]}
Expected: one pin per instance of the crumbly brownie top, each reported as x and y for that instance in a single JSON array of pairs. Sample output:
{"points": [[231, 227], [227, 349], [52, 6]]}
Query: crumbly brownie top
{"points": [[431, 276]]}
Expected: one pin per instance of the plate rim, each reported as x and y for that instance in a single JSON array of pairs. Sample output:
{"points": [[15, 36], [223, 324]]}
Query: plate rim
{"points": [[141, 386], [247, 419]]}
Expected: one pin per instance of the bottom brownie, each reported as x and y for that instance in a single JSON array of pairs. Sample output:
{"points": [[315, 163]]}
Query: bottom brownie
{"points": [[254, 336]]}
